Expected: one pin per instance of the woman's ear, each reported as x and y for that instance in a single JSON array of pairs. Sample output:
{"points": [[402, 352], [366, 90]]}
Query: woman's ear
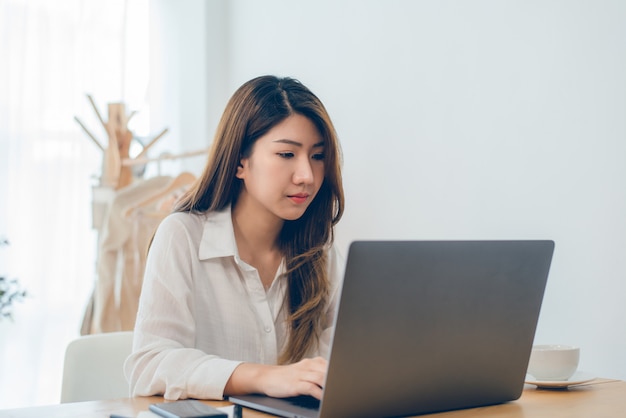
{"points": [[240, 168]]}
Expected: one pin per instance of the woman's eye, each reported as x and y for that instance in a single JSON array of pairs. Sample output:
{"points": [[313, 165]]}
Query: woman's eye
{"points": [[285, 154], [318, 157]]}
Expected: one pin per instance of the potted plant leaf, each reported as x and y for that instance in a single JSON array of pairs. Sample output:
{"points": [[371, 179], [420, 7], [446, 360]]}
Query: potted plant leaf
{"points": [[10, 292]]}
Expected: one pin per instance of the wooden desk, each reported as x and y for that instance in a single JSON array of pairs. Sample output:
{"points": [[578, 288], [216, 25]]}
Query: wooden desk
{"points": [[600, 398]]}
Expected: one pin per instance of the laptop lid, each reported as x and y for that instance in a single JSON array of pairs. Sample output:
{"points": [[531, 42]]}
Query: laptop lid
{"points": [[427, 326]]}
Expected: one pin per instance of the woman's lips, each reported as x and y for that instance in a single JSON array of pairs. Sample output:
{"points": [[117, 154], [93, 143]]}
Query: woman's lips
{"points": [[299, 198]]}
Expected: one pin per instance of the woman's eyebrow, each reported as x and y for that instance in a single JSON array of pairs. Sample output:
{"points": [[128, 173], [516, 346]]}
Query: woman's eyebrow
{"points": [[297, 144]]}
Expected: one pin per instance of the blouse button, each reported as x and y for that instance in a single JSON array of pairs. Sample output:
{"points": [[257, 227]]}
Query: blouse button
{"points": [[268, 329]]}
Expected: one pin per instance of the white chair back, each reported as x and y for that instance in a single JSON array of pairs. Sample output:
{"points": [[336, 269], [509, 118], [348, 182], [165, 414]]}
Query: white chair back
{"points": [[93, 367]]}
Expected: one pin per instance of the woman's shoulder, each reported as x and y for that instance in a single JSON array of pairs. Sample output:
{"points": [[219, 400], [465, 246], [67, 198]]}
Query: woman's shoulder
{"points": [[191, 223], [185, 219], [334, 254], [336, 263]]}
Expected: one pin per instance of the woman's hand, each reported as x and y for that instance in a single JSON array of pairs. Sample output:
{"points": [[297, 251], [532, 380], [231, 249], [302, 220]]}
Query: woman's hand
{"points": [[305, 377]]}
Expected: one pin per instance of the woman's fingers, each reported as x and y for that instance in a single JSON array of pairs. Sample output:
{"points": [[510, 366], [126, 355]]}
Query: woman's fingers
{"points": [[305, 377]]}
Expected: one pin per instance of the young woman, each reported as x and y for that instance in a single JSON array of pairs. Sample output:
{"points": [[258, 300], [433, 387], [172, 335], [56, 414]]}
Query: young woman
{"points": [[241, 281]]}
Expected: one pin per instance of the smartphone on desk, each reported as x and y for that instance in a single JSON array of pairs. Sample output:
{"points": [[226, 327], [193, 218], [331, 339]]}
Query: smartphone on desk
{"points": [[188, 408]]}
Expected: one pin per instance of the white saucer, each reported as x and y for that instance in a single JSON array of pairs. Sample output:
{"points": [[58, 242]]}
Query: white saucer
{"points": [[577, 379]]}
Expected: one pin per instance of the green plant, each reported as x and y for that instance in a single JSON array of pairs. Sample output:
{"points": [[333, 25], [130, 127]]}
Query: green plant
{"points": [[10, 292]]}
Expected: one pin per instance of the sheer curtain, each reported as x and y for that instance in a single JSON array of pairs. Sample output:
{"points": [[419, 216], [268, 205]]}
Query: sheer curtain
{"points": [[52, 53]]}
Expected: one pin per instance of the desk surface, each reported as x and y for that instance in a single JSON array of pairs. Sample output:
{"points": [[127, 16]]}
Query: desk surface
{"points": [[600, 398]]}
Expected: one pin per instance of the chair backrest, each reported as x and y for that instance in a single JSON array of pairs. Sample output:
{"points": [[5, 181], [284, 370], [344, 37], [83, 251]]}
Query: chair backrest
{"points": [[93, 367]]}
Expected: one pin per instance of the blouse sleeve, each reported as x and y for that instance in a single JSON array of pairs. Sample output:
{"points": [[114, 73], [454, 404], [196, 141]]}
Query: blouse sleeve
{"points": [[163, 360]]}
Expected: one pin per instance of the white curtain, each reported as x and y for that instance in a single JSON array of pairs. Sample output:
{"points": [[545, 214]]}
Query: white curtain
{"points": [[52, 53]]}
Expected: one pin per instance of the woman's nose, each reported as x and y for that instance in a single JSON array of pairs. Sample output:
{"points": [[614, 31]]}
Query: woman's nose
{"points": [[303, 173]]}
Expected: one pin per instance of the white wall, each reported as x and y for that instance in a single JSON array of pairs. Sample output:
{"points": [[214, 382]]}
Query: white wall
{"points": [[466, 120], [181, 79]]}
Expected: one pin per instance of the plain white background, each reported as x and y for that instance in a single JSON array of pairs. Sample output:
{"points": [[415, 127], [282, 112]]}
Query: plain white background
{"points": [[458, 119]]}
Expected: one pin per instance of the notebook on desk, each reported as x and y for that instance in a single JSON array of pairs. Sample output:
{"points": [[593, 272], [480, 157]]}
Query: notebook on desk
{"points": [[428, 326]]}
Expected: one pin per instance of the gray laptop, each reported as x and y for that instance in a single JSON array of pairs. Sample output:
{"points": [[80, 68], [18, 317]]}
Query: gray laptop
{"points": [[428, 326]]}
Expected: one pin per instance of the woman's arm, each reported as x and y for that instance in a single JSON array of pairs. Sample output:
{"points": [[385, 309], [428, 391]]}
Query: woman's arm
{"points": [[164, 359]]}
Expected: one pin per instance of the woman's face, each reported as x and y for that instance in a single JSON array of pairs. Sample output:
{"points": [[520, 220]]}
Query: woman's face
{"points": [[284, 171]]}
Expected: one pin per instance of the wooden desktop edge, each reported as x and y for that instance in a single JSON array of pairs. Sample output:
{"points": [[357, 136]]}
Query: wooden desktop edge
{"points": [[131, 407]]}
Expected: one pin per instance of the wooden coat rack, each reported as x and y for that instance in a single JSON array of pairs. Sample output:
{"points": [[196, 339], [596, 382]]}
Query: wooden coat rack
{"points": [[116, 171]]}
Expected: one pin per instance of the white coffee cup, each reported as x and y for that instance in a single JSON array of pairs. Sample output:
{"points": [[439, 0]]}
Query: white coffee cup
{"points": [[553, 361]]}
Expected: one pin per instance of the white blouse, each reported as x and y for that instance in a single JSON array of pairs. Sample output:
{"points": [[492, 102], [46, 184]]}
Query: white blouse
{"points": [[203, 311]]}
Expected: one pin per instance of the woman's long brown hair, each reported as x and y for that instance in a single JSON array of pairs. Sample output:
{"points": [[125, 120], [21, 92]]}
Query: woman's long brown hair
{"points": [[255, 108]]}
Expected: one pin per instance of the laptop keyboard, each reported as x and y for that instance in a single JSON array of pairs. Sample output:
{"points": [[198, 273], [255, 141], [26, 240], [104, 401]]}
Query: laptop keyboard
{"points": [[304, 401]]}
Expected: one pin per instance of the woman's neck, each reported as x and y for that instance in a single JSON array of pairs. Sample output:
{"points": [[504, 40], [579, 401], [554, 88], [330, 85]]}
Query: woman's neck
{"points": [[257, 241], [255, 231]]}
